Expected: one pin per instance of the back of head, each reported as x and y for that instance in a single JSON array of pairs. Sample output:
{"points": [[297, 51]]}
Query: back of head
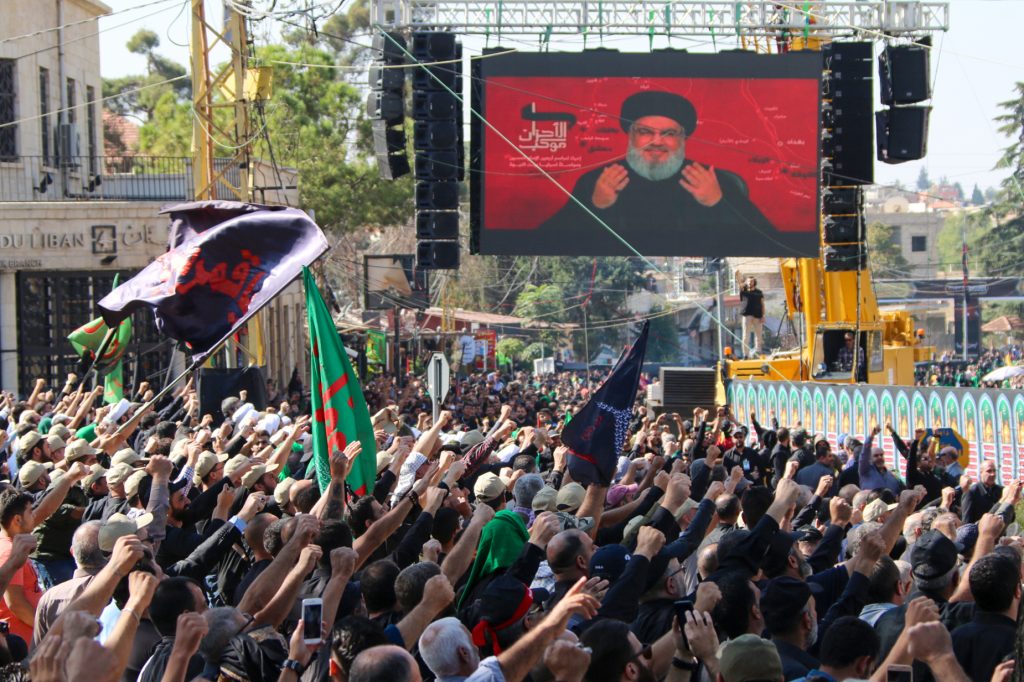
{"points": [[525, 463], [849, 639], [256, 529], [526, 489], [333, 534], [85, 546], [446, 525], [387, 663], [378, 585], [755, 503], [222, 624], [994, 579], [306, 498], [410, 583], [732, 613], [728, 508], [173, 597], [440, 643], [884, 581], [610, 650], [351, 636], [272, 540]]}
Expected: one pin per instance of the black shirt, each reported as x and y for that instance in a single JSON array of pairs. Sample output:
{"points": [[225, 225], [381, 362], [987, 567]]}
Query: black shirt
{"points": [[753, 302], [982, 644]]}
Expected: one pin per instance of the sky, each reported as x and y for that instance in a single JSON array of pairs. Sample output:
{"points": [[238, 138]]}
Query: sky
{"points": [[974, 67]]}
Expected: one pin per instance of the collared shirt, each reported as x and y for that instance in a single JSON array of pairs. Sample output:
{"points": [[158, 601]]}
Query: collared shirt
{"points": [[56, 599], [489, 670]]}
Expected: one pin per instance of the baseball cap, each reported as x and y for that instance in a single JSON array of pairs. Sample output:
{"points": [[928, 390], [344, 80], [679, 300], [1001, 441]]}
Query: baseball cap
{"points": [[32, 471], [96, 472], [62, 431], [786, 596], [132, 483], [384, 460], [609, 562], [876, 509], [570, 497], [809, 533], [544, 500], [282, 489], [933, 555], [119, 525], [29, 440], [503, 603], [471, 438], [55, 442], [234, 464], [617, 493], [747, 658], [207, 461], [967, 536], [253, 475], [127, 456], [119, 473], [488, 487], [78, 449], [685, 507]]}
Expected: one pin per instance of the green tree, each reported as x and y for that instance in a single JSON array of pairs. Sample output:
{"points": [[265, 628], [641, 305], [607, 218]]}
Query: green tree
{"points": [[510, 347], [977, 198], [158, 70], [923, 182], [949, 242], [545, 303], [885, 257], [663, 339]]}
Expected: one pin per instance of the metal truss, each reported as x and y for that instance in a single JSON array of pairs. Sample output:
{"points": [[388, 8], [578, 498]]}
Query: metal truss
{"points": [[864, 19]]}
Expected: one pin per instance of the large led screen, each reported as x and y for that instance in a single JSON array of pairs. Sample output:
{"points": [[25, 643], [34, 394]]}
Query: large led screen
{"points": [[671, 154]]}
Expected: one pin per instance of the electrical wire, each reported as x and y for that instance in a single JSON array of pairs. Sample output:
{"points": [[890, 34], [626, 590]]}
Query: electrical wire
{"points": [[80, 22]]}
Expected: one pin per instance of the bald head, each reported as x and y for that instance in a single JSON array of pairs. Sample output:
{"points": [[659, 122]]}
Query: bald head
{"points": [[569, 553], [387, 663], [254, 533]]}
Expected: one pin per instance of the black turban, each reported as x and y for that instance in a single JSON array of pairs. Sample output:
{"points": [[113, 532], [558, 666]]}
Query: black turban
{"points": [[654, 103]]}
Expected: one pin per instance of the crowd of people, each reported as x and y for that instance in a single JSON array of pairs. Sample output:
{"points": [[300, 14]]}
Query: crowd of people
{"points": [[170, 545], [950, 371]]}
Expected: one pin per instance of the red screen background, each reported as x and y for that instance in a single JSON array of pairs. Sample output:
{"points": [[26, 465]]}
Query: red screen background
{"points": [[763, 129]]}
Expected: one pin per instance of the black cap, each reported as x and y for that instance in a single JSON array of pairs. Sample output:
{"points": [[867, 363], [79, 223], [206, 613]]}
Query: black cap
{"points": [[778, 552], [655, 103], [175, 486], [501, 600], [785, 596], [934, 555], [609, 562], [809, 533]]}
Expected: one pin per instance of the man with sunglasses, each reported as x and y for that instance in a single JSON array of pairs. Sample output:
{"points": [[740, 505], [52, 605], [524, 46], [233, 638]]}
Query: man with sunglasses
{"points": [[658, 192]]}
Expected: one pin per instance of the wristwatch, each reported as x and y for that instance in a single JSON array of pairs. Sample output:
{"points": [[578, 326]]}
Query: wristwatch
{"points": [[690, 665], [294, 666]]}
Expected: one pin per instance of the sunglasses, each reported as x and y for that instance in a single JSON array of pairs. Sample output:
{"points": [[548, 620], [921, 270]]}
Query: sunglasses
{"points": [[644, 653]]}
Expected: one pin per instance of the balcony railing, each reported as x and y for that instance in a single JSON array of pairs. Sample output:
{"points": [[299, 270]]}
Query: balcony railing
{"points": [[106, 178]]}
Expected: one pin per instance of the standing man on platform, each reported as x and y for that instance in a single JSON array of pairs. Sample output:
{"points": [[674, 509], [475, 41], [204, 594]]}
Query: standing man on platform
{"points": [[752, 299]]}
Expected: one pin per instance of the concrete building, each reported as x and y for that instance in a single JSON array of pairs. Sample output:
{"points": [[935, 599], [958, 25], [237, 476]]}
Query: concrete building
{"points": [[71, 217]]}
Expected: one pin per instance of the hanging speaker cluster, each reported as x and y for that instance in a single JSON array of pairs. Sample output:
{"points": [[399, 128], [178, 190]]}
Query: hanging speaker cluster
{"points": [[846, 113], [385, 105], [438, 145], [904, 81]]}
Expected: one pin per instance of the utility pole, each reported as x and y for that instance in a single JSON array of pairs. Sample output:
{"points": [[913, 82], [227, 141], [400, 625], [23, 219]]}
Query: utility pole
{"points": [[963, 263]]}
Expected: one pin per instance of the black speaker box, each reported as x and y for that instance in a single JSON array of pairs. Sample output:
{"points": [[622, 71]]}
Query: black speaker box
{"points": [[383, 78], [385, 106], [217, 383], [843, 229], [437, 255], [437, 165], [844, 258], [435, 106], [437, 196], [904, 74], [384, 47], [437, 225], [433, 46], [435, 135], [902, 134], [840, 200]]}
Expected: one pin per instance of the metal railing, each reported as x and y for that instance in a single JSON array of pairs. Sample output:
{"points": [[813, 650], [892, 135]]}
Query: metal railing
{"points": [[100, 178]]}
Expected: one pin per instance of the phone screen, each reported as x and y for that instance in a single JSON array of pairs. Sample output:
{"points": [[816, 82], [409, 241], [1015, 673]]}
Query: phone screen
{"points": [[899, 673], [312, 615], [683, 607]]}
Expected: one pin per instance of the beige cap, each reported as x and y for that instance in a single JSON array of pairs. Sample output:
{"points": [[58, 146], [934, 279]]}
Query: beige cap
{"points": [[207, 461], [28, 415], [119, 525], [126, 456], [96, 472], [55, 442], [56, 475], [131, 485], [384, 460], [748, 658], [544, 500], [685, 508], [488, 487], [32, 471], [79, 449], [29, 440], [281, 491], [119, 473], [234, 464], [62, 431], [876, 509], [570, 497], [253, 475]]}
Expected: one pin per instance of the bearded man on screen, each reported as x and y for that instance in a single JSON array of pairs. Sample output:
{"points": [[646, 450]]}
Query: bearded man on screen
{"points": [[658, 196]]}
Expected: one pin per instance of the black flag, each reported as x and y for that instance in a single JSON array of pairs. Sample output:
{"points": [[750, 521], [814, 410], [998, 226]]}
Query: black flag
{"points": [[596, 433]]}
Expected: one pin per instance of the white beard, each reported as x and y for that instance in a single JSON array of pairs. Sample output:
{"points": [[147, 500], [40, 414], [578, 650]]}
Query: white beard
{"points": [[656, 170]]}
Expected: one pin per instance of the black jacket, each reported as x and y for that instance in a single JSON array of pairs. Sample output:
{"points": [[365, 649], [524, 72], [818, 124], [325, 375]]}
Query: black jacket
{"points": [[983, 643], [979, 500]]}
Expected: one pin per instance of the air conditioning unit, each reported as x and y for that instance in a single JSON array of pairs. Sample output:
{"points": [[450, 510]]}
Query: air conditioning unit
{"points": [[67, 144]]}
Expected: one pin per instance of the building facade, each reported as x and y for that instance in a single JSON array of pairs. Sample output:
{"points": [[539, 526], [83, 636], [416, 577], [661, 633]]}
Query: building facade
{"points": [[72, 217]]}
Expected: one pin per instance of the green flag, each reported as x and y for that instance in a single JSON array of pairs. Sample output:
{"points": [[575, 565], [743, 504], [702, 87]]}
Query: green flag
{"points": [[88, 338], [376, 347], [113, 384], [339, 409]]}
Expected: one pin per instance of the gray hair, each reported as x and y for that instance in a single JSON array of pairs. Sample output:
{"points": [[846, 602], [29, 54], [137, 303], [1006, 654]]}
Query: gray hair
{"points": [[85, 546], [856, 536], [526, 488], [937, 584], [439, 646], [222, 623]]}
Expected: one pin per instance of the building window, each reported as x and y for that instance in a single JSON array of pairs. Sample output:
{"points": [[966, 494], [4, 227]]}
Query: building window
{"points": [[90, 122], [71, 100], [919, 244], [8, 111], [44, 113]]}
